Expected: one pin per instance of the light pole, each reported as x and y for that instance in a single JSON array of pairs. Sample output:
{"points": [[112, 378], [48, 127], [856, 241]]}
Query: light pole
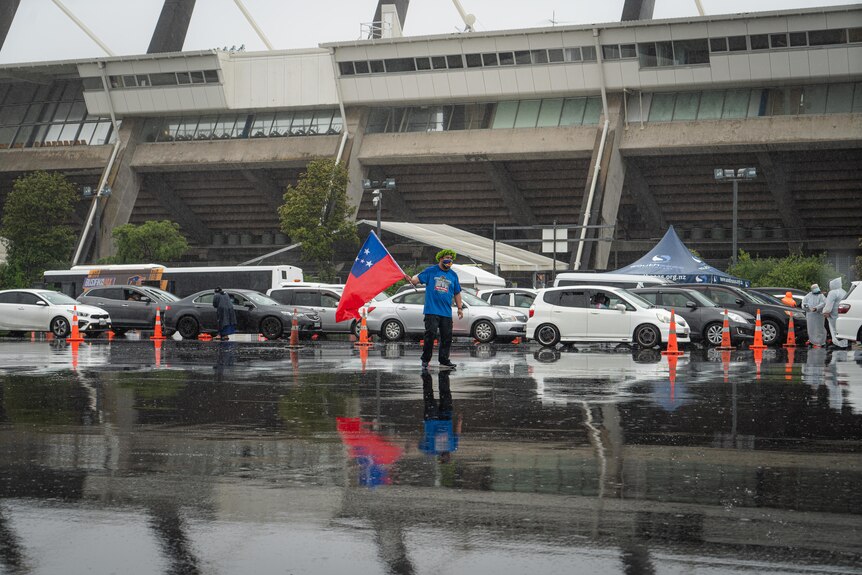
{"points": [[377, 187], [734, 176]]}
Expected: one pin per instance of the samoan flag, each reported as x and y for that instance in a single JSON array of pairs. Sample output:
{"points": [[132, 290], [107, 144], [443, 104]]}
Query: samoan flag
{"points": [[373, 271]]}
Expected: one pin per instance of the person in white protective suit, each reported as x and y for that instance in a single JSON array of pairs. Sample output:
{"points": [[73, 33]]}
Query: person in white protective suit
{"points": [[812, 305], [830, 311]]}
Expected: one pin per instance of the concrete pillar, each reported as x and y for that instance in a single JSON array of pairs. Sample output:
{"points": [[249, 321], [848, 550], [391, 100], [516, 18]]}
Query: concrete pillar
{"points": [[637, 10], [400, 7], [356, 121], [171, 29], [7, 14]]}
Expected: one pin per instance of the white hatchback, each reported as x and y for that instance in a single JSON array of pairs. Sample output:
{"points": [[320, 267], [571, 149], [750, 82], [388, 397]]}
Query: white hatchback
{"points": [[595, 313], [849, 321], [45, 310]]}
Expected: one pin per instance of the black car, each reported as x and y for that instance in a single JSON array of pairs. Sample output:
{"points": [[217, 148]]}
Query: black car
{"points": [[134, 307], [255, 313], [704, 317], [774, 317]]}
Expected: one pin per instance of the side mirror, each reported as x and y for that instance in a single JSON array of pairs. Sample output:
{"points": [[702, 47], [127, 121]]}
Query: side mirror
{"points": [[249, 306], [691, 305], [739, 301], [620, 307], [145, 299], [42, 303]]}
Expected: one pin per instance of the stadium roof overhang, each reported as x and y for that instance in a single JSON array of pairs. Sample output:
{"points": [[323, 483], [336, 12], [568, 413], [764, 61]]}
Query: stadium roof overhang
{"points": [[469, 245]]}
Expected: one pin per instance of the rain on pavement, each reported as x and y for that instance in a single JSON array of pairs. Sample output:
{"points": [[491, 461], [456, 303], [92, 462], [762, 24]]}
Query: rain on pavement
{"points": [[247, 457]]}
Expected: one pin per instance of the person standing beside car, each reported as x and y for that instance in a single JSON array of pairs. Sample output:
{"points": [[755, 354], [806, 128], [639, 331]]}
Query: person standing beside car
{"points": [[441, 286], [812, 305], [226, 314], [830, 312]]}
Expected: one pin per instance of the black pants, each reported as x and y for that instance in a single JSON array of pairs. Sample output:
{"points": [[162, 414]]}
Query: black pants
{"points": [[433, 323]]}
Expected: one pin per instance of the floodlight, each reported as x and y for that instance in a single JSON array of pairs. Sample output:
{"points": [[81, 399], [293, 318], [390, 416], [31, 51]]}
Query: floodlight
{"points": [[751, 173], [718, 173]]}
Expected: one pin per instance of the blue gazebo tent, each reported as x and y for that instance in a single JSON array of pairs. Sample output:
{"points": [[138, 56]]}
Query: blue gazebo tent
{"points": [[672, 260]]}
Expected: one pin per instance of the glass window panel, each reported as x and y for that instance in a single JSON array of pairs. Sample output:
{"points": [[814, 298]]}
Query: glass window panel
{"points": [[377, 120], [346, 68], [187, 128], [169, 134], [455, 61], [152, 128], [376, 66], [759, 41], [647, 55], [69, 133], [33, 113], [262, 125], [87, 131], [839, 99], [857, 98], [39, 134], [143, 80], [628, 51], [661, 108], [737, 43], [736, 104], [664, 53], [593, 111], [555, 55], [48, 110], [6, 135], [77, 113], [163, 79], [206, 125], [53, 133], [573, 112], [689, 52], [711, 104], [439, 62], [20, 94], [686, 106], [572, 54], [63, 109], [320, 123], [130, 81], [361, 67], [12, 115], [301, 123], [423, 63], [718, 44], [798, 38], [211, 76], [224, 128], [116, 82], [854, 35], [183, 78], [197, 77], [400, 65], [827, 37], [539, 56], [478, 116], [72, 91], [778, 41], [528, 114], [336, 126], [22, 140], [91, 84], [549, 115], [504, 117], [489, 59], [507, 58], [814, 100], [473, 60], [522, 57], [281, 125], [611, 52], [418, 119], [101, 134], [588, 53]]}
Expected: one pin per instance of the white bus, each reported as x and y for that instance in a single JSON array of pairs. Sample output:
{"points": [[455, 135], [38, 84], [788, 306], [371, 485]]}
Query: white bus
{"points": [[179, 281]]}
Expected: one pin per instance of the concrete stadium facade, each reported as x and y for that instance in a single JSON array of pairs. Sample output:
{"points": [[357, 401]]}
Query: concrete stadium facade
{"points": [[617, 125]]}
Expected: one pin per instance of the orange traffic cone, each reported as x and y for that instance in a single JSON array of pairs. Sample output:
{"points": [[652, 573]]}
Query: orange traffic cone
{"points": [[672, 348], [76, 335], [111, 335], [791, 334], [725, 334], [157, 333], [758, 334], [294, 330], [205, 337], [363, 332]]}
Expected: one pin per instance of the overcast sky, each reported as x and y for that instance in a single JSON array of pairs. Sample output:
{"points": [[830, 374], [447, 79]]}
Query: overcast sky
{"points": [[41, 31]]}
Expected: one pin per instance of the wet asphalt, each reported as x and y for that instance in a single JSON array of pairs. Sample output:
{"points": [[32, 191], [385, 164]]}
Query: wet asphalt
{"points": [[248, 457]]}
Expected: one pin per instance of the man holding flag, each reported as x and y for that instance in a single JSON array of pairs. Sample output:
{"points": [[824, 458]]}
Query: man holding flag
{"points": [[374, 270], [441, 285]]}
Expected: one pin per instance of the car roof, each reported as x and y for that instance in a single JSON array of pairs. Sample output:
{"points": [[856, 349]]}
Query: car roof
{"points": [[585, 286]]}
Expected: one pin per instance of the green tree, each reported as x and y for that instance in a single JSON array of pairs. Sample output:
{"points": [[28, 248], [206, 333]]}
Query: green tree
{"points": [[316, 213], [793, 271], [857, 269], [35, 227], [149, 242]]}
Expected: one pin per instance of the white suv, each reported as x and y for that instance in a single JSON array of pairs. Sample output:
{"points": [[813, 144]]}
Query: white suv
{"points": [[601, 314], [849, 322]]}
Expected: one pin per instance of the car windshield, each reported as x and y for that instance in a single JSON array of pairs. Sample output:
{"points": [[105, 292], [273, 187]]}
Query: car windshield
{"points": [[633, 297], [761, 299], [470, 299], [58, 298], [260, 299], [700, 298], [160, 294]]}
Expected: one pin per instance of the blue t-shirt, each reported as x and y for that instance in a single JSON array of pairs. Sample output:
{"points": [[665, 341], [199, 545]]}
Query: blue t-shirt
{"points": [[440, 287]]}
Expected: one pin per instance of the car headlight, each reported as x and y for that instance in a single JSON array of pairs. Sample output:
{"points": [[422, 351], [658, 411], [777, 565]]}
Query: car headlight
{"points": [[735, 317], [663, 317], [506, 316], [520, 317], [83, 314]]}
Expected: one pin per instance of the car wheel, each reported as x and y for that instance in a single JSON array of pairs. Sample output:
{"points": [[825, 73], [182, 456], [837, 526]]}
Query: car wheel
{"points": [[354, 329], [771, 332], [271, 327], [60, 327], [484, 331], [712, 334], [547, 335], [188, 327], [391, 330], [647, 336]]}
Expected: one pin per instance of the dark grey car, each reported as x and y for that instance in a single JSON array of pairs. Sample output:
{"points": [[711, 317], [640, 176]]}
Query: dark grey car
{"points": [[134, 307], [703, 315]]}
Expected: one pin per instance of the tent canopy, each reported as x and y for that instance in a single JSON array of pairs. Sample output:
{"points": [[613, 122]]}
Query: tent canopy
{"points": [[672, 260], [468, 245]]}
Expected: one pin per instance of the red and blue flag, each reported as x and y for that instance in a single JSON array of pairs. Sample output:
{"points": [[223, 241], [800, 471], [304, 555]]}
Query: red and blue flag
{"points": [[374, 270]]}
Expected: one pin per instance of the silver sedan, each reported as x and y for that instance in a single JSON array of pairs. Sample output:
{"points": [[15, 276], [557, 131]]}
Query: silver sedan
{"points": [[401, 315]]}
